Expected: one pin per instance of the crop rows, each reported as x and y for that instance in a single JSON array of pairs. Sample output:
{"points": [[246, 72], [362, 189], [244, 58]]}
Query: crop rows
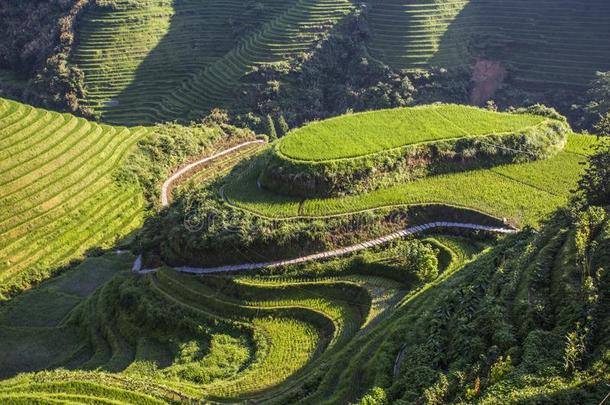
{"points": [[218, 166], [366, 133], [258, 335], [545, 41], [384, 292], [58, 197], [185, 57], [258, 338], [523, 193]]}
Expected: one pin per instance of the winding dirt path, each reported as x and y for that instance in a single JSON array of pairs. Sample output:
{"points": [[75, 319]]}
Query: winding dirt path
{"points": [[168, 183]]}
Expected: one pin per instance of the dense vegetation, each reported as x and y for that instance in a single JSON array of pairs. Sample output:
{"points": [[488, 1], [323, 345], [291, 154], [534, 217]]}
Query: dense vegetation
{"points": [[98, 56], [69, 186], [58, 196], [521, 322], [522, 192], [361, 152], [37, 39], [100, 299]]}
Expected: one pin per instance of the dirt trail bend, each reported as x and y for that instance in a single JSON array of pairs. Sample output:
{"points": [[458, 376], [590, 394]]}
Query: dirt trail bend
{"points": [[168, 183]]}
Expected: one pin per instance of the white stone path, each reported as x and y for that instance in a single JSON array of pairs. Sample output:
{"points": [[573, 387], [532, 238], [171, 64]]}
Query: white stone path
{"points": [[167, 184], [137, 266]]}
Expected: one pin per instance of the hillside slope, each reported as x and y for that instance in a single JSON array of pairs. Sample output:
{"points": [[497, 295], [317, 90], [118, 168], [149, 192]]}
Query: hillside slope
{"points": [[541, 41], [57, 194], [69, 186], [161, 60], [522, 322]]}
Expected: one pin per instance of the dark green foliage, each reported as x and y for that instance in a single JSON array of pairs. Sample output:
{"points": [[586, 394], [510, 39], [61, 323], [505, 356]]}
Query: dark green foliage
{"points": [[602, 127], [28, 32], [595, 183], [282, 125], [271, 132], [37, 38], [596, 103], [201, 230], [419, 259], [339, 76]]}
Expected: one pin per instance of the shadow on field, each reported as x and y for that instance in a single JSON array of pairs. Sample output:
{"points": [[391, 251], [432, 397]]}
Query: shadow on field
{"points": [[198, 35], [548, 42], [37, 329]]}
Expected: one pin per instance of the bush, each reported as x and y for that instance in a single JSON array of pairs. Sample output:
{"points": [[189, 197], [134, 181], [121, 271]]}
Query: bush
{"points": [[323, 177], [594, 186], [419, 259]]}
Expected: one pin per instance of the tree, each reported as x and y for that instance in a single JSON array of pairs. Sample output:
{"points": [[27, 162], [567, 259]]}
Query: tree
{"points": [[216, 116], [283, 125], [595, 183], [597, 99], [491, 105], [603, 125], [375, 396], [271, 128], [419, 259]]}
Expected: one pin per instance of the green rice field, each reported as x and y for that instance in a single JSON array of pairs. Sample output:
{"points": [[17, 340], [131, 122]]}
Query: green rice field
{"points": [[58, 197], [523, 193], [361, 134]]}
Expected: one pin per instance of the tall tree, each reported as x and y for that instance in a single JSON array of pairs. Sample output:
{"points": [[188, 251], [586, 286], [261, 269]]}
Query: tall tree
{"points": [[271, 128], [283, 125], [603, 125], [595, 183]]}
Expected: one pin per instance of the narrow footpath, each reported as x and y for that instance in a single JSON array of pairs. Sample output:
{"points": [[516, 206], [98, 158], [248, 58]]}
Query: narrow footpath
{"points": [[168, 183], [138, 268]]}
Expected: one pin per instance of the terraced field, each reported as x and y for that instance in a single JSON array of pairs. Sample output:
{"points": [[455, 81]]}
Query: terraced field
{"points": [[420, 34], [372, 132], [300, 335], [57, 194], [523, 193], [185, 57], [355, 153], [217, 337]]}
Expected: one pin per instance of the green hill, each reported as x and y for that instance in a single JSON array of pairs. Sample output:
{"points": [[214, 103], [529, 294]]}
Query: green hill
{"points": [[362, 152], [382, 244], [70, 187], [513, 185], [159, 60], [521, 322], [523, 193], [58, 197], [362, 134], [542, 41]]}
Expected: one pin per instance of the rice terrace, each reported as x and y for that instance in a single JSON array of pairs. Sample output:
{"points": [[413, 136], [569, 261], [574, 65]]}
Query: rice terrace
{"points": [[365, 202]]}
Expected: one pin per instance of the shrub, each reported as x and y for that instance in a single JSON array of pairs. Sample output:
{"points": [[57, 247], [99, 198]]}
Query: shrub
{"points": [[303, 164]]}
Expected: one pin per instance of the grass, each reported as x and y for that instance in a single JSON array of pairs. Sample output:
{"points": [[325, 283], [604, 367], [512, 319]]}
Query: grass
{"points": [[58, 197], [248, 335], [361, 134], [33, 326], [185, 57], [291, 344], [414, 35], [264, 337], [523, 193]]}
